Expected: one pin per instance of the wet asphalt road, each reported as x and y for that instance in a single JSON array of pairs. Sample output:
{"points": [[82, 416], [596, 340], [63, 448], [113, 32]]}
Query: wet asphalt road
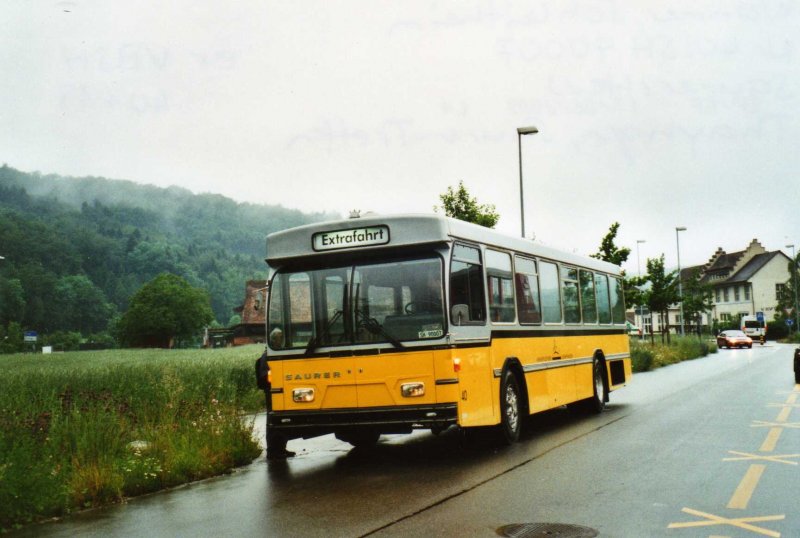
{"points": [[688, 450]]}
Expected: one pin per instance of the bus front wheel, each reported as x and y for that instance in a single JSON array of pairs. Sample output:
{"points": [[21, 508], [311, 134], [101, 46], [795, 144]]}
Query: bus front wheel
{"points": [[510, 419]]}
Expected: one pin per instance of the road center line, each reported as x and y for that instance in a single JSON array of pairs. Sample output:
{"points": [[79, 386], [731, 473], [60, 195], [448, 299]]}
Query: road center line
{"points": [[783, 416], [772, 439], [741, 497]]}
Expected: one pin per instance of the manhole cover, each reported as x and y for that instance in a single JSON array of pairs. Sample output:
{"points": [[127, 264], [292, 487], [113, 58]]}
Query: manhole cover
{"points": [[546, 530]]}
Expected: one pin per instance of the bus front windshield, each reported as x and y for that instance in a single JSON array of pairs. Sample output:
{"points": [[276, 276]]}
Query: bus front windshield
{"points": [[391, 302]]}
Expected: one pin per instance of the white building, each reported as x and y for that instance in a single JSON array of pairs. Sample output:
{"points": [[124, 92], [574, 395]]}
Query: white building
{"points": [[744, 282]]}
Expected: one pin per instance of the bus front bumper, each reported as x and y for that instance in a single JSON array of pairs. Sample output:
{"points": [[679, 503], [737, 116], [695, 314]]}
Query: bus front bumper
{"points": [[306, 424]]}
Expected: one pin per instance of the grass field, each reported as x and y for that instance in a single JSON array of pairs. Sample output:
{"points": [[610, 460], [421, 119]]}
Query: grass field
{"points": [[84, 429]]}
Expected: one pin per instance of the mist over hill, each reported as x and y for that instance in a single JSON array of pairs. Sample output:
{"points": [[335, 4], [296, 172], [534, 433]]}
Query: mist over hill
{"points": [[76, 249]]}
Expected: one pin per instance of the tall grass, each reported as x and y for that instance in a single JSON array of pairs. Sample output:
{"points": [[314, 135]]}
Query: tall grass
{"points": [[89, 428], [646, 356]]}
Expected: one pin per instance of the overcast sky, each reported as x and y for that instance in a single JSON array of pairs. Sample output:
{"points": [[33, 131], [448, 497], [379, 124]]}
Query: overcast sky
{"points": [[653, 114]]}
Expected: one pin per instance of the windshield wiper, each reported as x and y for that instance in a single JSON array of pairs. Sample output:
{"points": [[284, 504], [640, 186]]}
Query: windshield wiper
{"points": [[314, 342], [372, 325]]}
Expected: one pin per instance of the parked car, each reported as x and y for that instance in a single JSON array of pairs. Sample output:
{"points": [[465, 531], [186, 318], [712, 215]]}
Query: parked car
{"points": [[733, 338]]}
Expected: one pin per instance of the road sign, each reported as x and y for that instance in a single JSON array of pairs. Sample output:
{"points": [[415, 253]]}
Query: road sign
{"points": [[760, 317], [30, 336], [789, 322]]}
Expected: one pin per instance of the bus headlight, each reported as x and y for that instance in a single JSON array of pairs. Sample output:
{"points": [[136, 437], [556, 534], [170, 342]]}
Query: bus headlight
{"points": [[303, 395], [412, 390]]}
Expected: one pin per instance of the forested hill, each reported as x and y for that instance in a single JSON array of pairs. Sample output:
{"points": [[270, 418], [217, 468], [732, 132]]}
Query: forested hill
{"points": [[76, 249]]}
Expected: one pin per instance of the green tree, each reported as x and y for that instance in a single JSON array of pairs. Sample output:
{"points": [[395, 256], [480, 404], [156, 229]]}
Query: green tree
{"points": [[12, 338], [663, 291], [608, 251], [457, 203], [164, 311], [12, 301], [635, 292], [79, 305], [786, 298], [698, 298]]}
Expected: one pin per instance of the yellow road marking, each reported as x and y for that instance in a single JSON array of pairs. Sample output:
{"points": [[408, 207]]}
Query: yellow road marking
{"points": [[741, 497], [782, 424], [792, 398], [772, 439], [740, 522], [783, 416], [778, 458], [790, 405]]}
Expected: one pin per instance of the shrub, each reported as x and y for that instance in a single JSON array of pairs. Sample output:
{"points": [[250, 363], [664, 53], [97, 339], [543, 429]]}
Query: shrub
{"points": [[646, 356], [641, 358]]}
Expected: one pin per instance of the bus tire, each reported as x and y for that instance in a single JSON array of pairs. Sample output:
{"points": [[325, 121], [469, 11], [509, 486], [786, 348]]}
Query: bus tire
{"points": [[510, 409], [598, 401]]}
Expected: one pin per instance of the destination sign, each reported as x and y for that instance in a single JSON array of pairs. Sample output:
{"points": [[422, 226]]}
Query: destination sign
{"points": [[358, 237]]}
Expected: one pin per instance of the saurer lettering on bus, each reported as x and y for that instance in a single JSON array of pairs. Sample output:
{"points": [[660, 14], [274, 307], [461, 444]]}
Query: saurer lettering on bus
{"points": [[315, 375]]}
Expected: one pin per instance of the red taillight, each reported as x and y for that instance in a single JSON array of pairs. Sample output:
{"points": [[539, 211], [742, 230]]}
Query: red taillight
{"points": [[456, 364]]}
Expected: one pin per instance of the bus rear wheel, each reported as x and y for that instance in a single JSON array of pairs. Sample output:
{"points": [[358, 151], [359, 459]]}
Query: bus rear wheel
{"points": [[597, 402], [510, 418]]}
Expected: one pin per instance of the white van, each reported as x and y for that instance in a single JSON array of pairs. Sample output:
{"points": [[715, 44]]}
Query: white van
{"points": [[755, 329]]}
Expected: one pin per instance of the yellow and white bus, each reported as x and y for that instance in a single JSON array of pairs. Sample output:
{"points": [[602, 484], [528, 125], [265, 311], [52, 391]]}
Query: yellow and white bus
{"points": [[381, 325]]}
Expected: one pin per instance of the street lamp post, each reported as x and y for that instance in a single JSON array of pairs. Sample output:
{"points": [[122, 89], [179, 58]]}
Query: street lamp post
{"points": [[680, 284], [522, 131], [794, 284], [639, 271]]}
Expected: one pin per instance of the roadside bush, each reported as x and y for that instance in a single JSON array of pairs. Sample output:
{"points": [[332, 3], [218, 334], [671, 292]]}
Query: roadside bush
{"points": [[641, 358], [777, 330], [646, 356], [63, 340], [793, 338]]}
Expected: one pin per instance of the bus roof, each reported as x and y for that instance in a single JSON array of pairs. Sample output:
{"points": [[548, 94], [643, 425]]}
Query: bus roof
{"points": [[383, 232]]}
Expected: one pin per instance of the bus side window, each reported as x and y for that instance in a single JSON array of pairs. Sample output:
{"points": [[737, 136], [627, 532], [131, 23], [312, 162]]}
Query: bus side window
{"points": [[527, 284], [617, 300], [501, 290], [569, 290], [466, 283], [603, 305], [588, 301], [551, 298]]}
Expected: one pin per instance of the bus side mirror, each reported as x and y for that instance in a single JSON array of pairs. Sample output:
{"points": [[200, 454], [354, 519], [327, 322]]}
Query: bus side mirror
{"points": [[459, 313]]}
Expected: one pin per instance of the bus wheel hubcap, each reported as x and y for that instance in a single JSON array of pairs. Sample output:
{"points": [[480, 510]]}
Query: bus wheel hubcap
{"points": [[598, 383], [511, 407]]}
